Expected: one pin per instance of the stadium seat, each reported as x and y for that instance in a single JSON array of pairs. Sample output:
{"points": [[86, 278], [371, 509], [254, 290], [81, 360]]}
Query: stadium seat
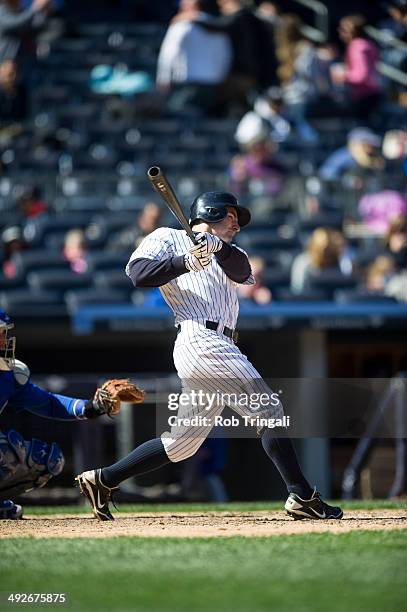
{"points": [[58, 280], [35, 260], [328, 219], [286, 295], [116, 279], [26, 303], [330, 280], [104, 260], [268, 239], [276, 278], [362, 297], [113, 221], [7, 284], [36, 230], [98, 295], [89, 204]]}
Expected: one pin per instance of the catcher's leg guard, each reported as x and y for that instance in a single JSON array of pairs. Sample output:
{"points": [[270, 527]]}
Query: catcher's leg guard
{"points": [[9, 510], [26, 464]]}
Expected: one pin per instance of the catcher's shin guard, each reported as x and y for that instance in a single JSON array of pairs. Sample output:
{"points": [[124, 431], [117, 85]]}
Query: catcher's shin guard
{"points": [[9, 510], [97, 493]]}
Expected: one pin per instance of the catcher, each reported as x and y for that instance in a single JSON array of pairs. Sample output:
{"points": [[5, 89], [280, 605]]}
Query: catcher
{"points": [[29, 464]]}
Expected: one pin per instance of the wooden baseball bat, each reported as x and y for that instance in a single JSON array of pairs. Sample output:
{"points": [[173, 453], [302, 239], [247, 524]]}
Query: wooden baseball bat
{"points": [[160, 183]]}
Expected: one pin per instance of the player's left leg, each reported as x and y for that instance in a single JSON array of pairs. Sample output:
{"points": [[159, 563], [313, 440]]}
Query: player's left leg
{"points": [[180, 443], [242, 377]]}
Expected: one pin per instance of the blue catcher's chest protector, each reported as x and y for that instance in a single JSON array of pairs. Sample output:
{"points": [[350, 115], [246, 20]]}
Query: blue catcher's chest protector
{"points": [[8, 387]]}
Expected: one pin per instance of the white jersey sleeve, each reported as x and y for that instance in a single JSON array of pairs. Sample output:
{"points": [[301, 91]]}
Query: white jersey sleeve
{"points": [[157, 246]]}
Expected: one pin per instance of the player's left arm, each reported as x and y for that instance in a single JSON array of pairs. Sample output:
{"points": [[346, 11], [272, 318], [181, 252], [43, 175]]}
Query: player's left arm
{"points": [[235, 263], [43, 403], [46, 404]]}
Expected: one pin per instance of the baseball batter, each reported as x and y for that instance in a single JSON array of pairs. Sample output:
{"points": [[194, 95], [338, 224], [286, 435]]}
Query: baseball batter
{"points": [[199, 283]]}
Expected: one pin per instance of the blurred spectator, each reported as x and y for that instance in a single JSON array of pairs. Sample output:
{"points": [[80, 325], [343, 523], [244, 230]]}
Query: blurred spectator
{"points": [[395, 27], [75, 250], [13, 242], [397, 286], [378, 274], [147, 221], [257, 293], [30, 204], [269, 12], [326, 250], [193, 62], [304, 72], [361, 152], [16, 25], [378, 210], [253, 62], [359, 74], [13, 95], [258, 161], [267, 110], [395, 150], [396, 241]]}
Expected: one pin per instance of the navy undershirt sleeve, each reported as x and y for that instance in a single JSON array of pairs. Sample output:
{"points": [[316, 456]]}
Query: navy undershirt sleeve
{"points": [[234, 263], [146, 272]]}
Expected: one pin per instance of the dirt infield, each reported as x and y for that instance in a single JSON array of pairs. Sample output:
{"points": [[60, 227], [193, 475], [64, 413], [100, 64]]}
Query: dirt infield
{"points": [[197, 524]]}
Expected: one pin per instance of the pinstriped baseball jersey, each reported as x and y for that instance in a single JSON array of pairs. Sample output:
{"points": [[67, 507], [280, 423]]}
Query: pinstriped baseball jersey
{"points": [[205, 359], [206, 295]]}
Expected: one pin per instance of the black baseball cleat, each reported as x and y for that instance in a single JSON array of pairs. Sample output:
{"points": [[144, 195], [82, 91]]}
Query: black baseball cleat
{"points": [[97, 493], [314, 508]]}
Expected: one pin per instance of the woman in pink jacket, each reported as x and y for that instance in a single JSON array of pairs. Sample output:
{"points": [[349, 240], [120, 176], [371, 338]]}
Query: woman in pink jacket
{"points": [[360, 74]]}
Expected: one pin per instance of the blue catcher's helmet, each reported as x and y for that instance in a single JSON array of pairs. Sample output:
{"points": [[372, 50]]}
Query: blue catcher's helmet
{"points": [[212, 208], [7, 342]]}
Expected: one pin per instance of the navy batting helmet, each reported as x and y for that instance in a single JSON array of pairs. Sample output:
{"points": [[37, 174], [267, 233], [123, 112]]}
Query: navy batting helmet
{"points": [[212, 208]]}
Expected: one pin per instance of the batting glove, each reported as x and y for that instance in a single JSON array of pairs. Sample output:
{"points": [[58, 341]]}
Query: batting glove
{"points": [[207, 245], [193, 264]]}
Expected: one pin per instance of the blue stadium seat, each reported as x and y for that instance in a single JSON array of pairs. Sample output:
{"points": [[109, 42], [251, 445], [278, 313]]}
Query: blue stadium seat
{"points": [[39, 259], [85, 204], [113, 221], [98, 295], [104, 260], [276, 278], [36, 230], [328, 219], [362, 297], [268, 239], [59, 281], [27, 303], [331, 280], [115, 279], [7, 284], [286, 295]]}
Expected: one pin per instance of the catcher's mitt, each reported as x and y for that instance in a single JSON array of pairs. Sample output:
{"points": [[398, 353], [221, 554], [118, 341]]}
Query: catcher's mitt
{"points": [[108, 397]]}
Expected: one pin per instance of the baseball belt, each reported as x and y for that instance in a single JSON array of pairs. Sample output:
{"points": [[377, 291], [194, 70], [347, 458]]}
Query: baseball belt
{"points": [[214, 325]]}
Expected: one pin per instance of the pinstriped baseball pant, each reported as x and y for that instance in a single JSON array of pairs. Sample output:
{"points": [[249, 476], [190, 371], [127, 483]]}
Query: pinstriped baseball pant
{"points": [[209, 362]]}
